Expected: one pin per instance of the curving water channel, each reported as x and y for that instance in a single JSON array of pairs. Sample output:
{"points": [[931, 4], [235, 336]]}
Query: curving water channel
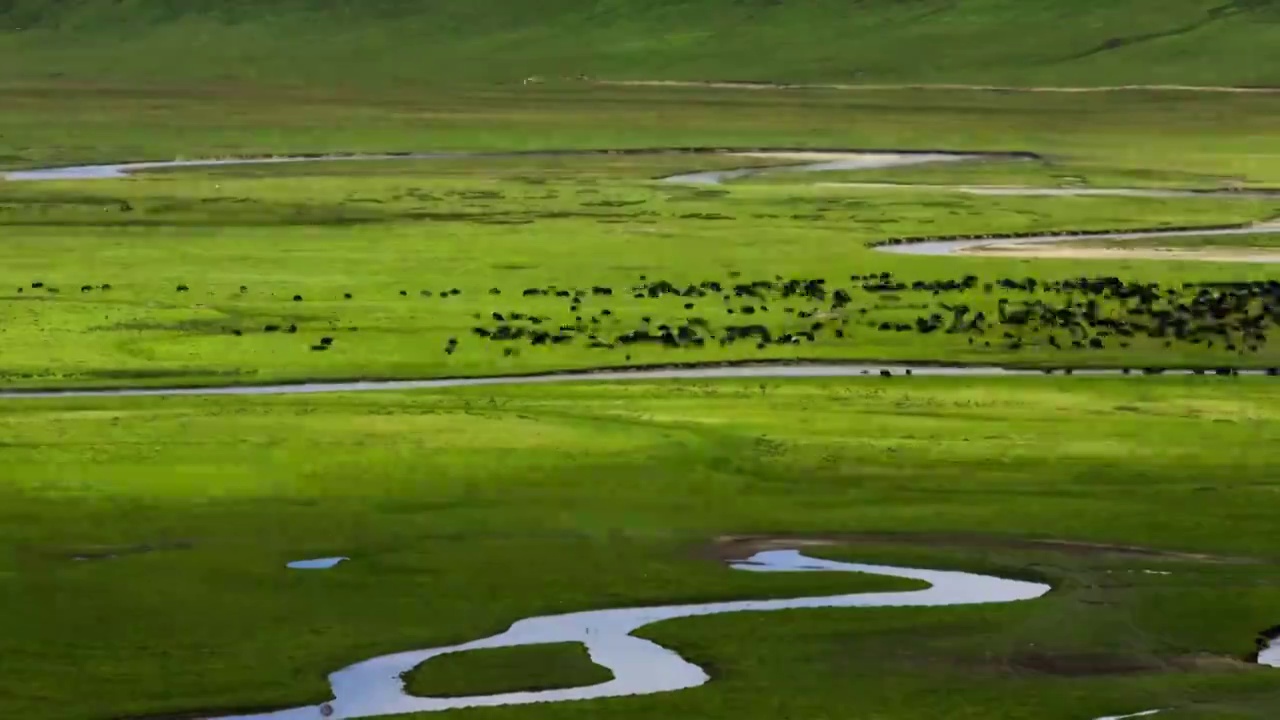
{"points": [[805, 160], [374, 688], [715, 372], [1031, 191], [955, 247], [1269, 654]]}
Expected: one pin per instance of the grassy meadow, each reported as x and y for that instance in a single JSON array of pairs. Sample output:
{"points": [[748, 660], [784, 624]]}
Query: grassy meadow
{"points": [[391, 43], [56, 121], [189, 277], [514, 669], [462, 511], [143, 541]]}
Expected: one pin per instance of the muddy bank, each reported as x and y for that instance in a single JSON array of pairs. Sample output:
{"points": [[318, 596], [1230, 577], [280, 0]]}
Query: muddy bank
{"points": [[954, 245], [1070, 252]]}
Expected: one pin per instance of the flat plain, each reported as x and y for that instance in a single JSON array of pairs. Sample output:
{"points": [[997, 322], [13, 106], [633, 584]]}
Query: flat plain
{"points": [[143, 541], [468, 509]]}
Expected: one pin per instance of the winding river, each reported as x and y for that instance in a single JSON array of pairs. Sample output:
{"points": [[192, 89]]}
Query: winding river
{"points": [[709, 372], [374, 688], [799, 160], [795, 160]]}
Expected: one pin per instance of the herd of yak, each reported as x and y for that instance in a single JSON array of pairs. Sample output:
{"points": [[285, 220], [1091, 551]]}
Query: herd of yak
{"points": [[1073, 314], [1077, 314]]}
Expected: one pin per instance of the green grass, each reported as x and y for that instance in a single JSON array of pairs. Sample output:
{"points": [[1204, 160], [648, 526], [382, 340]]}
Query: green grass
{"points": [[60, 121], [289, 231], [492, 671], [463, 511], [397, 42]]}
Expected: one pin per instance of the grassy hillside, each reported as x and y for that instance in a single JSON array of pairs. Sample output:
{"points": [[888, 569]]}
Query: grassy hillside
{"points": [[391, 42]]}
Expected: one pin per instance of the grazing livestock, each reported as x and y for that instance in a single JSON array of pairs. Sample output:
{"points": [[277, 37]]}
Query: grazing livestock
{"points": [[1068, 315]]}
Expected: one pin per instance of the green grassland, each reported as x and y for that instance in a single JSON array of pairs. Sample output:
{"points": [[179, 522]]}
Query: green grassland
{"points": [[501, 670], [397, 236], [389, 43], [52, 122], [465, 510], [462, 511]]}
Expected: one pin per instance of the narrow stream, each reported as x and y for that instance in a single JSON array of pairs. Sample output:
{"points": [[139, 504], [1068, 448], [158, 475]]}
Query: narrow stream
{"points": [[811, 161], [805, 161], [374, 688], [711, 372]]}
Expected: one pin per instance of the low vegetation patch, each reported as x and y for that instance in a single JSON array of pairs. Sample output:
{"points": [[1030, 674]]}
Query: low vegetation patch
{"points": [[493, 671]]}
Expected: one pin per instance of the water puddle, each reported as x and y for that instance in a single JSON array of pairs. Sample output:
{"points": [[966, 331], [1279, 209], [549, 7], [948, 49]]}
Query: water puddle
{"points": [[374, 687], [317, 564]]}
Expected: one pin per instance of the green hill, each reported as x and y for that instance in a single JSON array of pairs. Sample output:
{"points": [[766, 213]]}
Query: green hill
{"points": [[429, 42]]}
